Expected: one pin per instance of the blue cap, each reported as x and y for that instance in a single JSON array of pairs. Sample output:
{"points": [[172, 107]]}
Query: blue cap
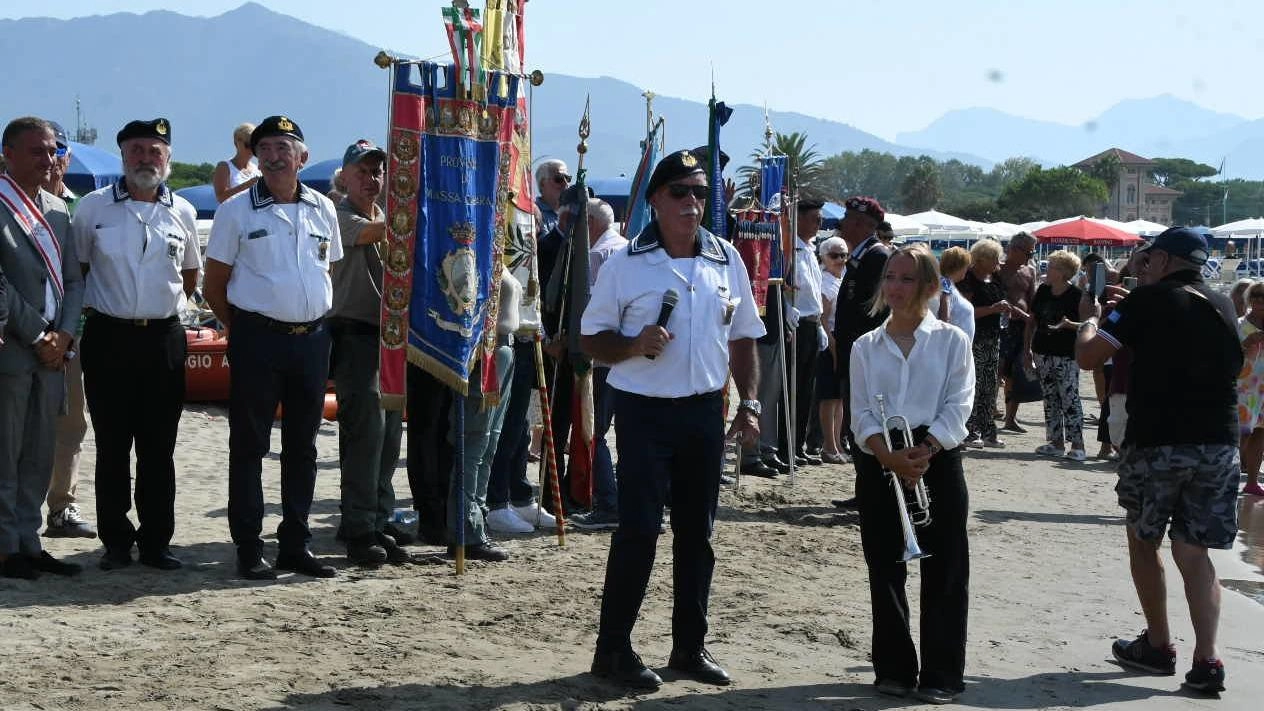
{"points": [[1183, 242], [59, 134], [360, 150]]}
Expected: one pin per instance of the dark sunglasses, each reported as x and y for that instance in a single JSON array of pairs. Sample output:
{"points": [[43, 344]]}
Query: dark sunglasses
{"points": [[678, 190], [562, 179], [836, 255], [61, 151]]}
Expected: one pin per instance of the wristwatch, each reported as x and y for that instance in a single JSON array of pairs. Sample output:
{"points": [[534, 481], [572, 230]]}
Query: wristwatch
{"points": [[751, 406], [932, 446]]}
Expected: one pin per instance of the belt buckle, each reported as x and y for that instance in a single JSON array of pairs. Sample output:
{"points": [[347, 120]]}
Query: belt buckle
{"points": [[140, 322], [299, 330]]}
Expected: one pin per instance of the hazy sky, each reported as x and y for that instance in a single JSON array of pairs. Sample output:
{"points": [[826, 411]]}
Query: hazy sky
{"points": [[883, 67]]}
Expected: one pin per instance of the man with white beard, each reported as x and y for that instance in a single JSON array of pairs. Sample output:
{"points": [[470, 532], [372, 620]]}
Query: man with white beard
{"points": [[138, 245]]}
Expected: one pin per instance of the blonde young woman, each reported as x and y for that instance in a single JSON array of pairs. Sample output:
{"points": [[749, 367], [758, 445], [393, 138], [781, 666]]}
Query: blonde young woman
{"points": [[924, 370], [1050, 340], [238, 173]]}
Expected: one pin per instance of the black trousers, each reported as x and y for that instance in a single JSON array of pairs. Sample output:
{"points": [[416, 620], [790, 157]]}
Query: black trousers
{"points": [[945, 574], [268, 368], [561, 387], [807, 345], [133, 378], [509, 482], [667, 447], [429, 452]]}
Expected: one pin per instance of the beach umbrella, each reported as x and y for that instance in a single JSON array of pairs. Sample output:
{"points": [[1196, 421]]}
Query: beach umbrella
{"points": [[1249, 226], [1144, 227], [91, 168], [1085, 231], [936, 220], [904, 226]]}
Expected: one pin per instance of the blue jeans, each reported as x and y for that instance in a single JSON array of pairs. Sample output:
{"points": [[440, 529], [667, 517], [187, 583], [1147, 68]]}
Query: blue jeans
{"points": [[509, 483], [482, 433]]}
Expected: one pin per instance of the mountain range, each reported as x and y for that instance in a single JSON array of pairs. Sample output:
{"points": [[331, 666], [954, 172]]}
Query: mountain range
{"points": [[1160, 126], [209, 74]]}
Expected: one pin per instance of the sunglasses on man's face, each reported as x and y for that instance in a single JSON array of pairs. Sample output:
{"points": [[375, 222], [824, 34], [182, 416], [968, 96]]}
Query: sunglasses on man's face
{"points": [[61, 151], [562, 179], [679, 190]]}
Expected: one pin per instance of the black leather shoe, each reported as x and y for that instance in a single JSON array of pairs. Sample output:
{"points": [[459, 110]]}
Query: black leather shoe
{"points": [[305, 563], [401, 536], [364, 550], [626, 669], [758, 468], [395, 555], [800, 460], [46, 563], [700, 665], [115, 558], [852, 503], [775, 462], [257, 569], [811, 460], [161, 559], [814, 450], [19, 566], [482, 551]]}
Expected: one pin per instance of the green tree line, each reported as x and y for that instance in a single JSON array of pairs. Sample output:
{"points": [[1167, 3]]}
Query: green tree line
{"points": [[1015, 190]]}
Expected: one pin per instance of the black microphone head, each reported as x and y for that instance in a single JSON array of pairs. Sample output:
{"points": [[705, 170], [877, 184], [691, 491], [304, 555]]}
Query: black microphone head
{"points": [[670, 297]]}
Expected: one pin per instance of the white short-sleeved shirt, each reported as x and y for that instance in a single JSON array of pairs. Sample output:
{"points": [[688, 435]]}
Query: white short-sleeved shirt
{"points": [[280, 264], [807, 275], [829, 292], [607, 244], [960, 310], [715, 306], [933, 387], [135, 251]]}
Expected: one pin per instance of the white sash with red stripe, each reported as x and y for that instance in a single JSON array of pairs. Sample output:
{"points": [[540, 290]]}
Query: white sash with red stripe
{"points": [[32, 222]]}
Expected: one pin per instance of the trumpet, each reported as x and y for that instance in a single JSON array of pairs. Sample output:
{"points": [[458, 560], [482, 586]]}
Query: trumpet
{"points": [[912, 513]]}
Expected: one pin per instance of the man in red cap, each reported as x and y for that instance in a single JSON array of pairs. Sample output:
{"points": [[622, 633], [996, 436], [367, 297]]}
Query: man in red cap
{"points": [[863, 274]]}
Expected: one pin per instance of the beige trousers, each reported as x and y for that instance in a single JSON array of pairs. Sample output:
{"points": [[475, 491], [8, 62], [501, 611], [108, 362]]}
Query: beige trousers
{"points": [[68, 443]]}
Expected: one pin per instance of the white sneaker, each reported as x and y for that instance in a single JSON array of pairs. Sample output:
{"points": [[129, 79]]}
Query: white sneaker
{"points": [[529, 513], [507, 523]]}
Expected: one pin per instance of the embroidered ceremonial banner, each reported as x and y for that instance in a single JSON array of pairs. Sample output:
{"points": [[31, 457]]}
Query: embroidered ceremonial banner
{"points": [[757, 240], [772, 178], [717, 207], [446, 225]]}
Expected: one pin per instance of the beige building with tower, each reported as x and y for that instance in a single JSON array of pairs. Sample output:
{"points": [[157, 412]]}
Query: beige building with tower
{"points": [[1134, 195]]}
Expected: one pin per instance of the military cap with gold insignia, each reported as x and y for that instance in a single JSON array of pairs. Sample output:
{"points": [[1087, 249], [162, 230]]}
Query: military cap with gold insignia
{"points": [[159, 128], [275, 126], [674, 166]]}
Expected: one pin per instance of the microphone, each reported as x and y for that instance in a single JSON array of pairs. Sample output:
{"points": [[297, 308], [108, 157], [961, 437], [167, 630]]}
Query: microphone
{"points": [[670, 297]]}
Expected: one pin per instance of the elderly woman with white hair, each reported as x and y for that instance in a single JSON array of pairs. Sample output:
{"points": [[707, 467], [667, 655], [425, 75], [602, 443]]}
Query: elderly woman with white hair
{"points": [[833, 254], [984, 290]]}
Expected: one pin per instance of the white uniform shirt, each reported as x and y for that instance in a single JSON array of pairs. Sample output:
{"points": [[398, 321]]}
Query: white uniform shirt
{"points": [[716, 306], [280, 265], [135, 251], [807, 277], [933, 387], [599, 253]]}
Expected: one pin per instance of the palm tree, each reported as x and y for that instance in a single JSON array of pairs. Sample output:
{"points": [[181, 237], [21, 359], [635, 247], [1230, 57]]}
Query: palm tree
{"points": [[804, 163], [1107, 169]]}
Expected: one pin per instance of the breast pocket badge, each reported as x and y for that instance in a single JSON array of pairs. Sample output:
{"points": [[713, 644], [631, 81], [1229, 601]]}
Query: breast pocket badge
{"points": [[322, 248], [730, 306], [173, 249]]}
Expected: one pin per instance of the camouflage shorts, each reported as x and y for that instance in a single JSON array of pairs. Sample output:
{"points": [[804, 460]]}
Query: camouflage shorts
{"points": [[1192, 485]]}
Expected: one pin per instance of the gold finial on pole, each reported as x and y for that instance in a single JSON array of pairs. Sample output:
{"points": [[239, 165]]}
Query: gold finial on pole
{"points": [[585, 130], [536, 77], [383, 60]]}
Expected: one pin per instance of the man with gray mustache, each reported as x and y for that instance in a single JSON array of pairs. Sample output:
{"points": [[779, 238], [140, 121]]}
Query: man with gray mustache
{"points": [[137, 242]]}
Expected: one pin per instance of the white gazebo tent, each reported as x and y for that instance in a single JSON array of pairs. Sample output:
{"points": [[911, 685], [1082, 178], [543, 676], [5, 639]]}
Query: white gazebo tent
{"points": [[942, 222], [1250, 230], [1145, 228], [903, 226]]}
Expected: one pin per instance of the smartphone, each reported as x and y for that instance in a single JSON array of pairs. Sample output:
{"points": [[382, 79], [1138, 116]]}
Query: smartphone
{"points": [[1097, 279], [1130, 283]]}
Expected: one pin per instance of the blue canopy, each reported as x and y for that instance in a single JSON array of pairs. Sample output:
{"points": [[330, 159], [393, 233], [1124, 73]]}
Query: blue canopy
{"points": [[320, 176], [91, 168], [203, 199]]}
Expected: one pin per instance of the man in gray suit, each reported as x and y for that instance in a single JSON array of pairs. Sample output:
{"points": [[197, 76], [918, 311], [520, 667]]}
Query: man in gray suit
{"points": [[45, 296]]}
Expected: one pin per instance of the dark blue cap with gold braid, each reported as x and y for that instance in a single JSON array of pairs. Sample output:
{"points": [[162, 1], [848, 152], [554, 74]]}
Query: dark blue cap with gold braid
{"points": [[275, 126], [159, 128]]}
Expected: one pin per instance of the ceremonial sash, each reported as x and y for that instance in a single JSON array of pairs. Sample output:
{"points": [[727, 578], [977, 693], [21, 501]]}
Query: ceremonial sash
{"points": [[31, 220]]}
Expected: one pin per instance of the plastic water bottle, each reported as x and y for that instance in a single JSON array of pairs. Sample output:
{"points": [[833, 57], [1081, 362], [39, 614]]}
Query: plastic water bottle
{"points": [[404, 518]]}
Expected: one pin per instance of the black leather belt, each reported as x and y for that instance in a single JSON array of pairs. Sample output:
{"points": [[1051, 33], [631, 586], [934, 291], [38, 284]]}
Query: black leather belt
{"points": [[137, 322], [283, 327], [810, 319], [681, 400]]}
